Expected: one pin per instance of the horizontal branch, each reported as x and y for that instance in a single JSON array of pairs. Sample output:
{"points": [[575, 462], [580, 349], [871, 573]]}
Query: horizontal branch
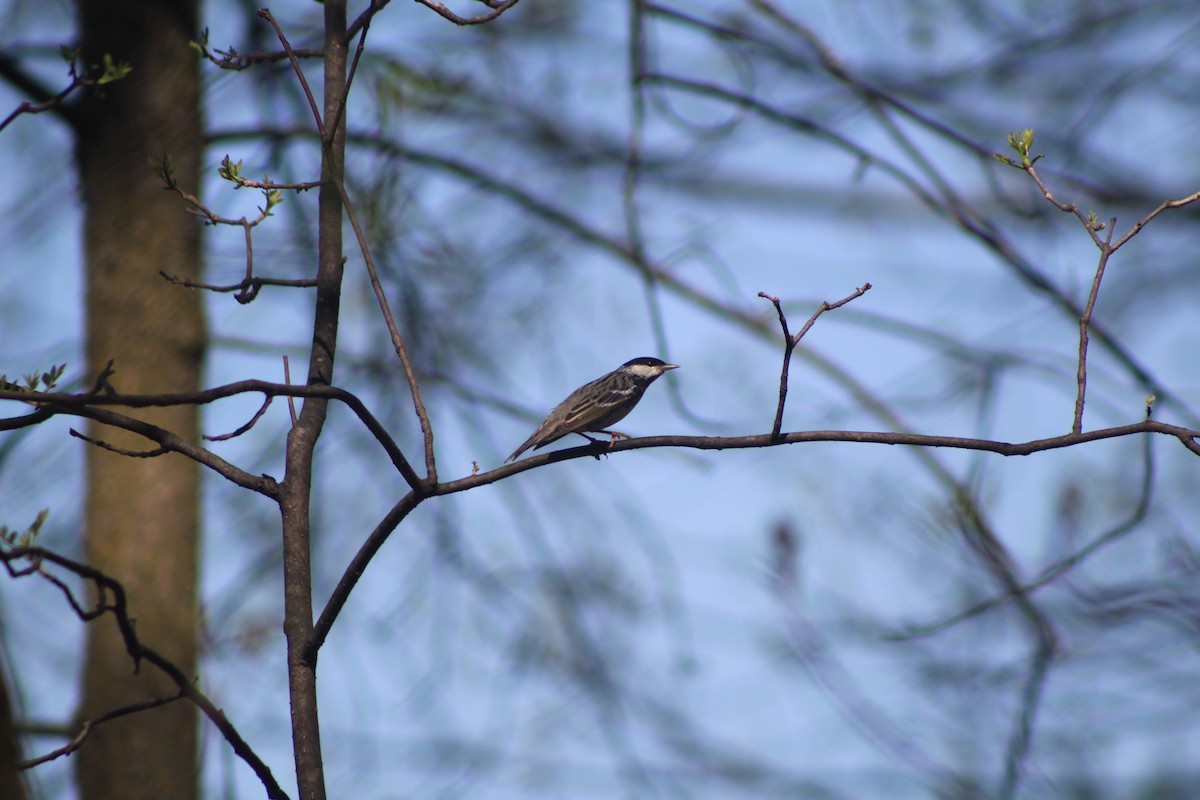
{"points": [[1186, 436], [86, 727], [169, 441], [63, 403], [242, 285]]}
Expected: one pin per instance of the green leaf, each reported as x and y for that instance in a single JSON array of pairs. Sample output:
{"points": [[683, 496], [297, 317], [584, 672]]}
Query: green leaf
{"points": [[1022, 143], [113, 70], [229, 170], [164, 168], [27, 537], [51, 376]]}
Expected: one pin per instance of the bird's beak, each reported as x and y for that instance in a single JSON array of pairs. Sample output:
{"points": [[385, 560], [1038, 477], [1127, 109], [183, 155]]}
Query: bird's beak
{"points": [[666, 367]]}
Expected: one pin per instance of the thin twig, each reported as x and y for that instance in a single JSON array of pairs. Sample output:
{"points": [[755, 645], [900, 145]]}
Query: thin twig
{"points": [[248, 294], [301, 186], [365, 18], [790, 342], [210, 217], [1085, 320], [345, 98], [85, 729], [101, 384], [231, 59], [171, 441], [1164, 206], [249, 288], [158, 451], [788, 347], [446, 13], [357, 566], [221, 437], [48, 102], [242, 286], [291, 54], [397, 340], [291, 401]]}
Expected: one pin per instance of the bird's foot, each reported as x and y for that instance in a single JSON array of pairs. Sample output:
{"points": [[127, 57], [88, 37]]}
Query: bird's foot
{"points": [[615, 435]]}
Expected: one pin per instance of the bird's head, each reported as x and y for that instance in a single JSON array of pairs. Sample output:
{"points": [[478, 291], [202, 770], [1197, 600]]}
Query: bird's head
{"points": [[646, 368]]}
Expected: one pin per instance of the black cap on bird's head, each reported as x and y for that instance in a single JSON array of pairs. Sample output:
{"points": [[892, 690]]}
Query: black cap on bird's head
{"points": [[649, 361]]}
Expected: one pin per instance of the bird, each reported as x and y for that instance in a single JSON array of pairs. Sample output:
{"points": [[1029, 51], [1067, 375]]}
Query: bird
{"points": [[596, 405]]}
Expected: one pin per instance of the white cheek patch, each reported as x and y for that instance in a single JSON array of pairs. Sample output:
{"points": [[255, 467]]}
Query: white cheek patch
{"points": [[643, 372]]}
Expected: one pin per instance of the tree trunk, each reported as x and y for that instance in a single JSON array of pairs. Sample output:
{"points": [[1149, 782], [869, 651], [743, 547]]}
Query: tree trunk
{"points": [[141, 513], [12, 784]]}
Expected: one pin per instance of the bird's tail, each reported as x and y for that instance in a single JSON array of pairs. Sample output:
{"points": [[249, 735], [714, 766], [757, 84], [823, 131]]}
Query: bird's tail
{"points": [[528, 444]]}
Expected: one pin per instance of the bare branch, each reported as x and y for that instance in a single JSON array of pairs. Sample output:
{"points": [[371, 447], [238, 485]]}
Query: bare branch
{"points": [[397, 340], [26, 421], [969, 222], [357, 566], [1164, 206], [231, 171], [108, 587], [231, 59], [446, 13], [171, 441], [364, 19], [291, 401], [247, 288], [158, 451], [86, 727], [358, 51], [1186, 436], [1068, 208], [221, 437], [1085, 320], [291, 55], [790, 342], [45, 100]]}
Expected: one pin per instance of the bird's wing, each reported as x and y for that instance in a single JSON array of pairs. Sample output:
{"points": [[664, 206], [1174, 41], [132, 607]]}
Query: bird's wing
{"points": [[585, 412]]}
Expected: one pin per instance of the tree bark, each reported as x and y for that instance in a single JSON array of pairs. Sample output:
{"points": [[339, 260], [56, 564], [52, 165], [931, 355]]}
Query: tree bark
{"points": [[141, 513], [295, 497], [12, 784]]}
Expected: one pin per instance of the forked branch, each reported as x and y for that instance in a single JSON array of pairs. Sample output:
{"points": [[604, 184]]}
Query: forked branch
{"points": [[790, 342], [497, 7], [1022, 144]]}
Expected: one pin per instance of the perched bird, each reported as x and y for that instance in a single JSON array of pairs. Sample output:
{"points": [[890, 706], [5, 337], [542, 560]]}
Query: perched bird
{"points": [[596, 405]]}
